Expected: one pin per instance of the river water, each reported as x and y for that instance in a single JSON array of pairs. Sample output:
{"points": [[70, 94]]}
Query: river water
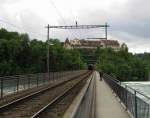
{"points": [[143, 87]]}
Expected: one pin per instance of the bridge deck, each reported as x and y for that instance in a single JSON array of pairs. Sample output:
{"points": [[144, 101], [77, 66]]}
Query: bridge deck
{"points": [[107, 106]]}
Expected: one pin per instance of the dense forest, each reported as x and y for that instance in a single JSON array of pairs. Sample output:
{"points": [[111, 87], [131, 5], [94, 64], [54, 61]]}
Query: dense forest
{"points": [[123, 65], [20, 55], [145, 57]]}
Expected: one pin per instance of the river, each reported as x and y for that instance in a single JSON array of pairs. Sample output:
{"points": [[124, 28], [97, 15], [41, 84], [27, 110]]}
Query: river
{"points": [[143, 87]]}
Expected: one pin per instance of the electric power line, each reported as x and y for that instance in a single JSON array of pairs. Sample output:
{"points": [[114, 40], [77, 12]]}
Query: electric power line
{"points": [[73, 17], [60, 15], [18, 27]]}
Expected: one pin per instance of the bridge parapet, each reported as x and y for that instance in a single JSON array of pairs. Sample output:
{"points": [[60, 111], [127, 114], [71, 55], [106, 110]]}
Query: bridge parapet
{"points": [[83, 105], [135, 102], [14, 84]]}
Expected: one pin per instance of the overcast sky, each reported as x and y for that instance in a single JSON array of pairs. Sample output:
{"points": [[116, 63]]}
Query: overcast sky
{"points": [[129, 20]]}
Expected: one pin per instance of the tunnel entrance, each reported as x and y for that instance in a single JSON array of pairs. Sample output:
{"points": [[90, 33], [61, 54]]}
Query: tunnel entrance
{"points": [[90, 67]]}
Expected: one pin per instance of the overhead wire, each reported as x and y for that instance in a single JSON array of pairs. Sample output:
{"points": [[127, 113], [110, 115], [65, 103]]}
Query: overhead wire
{"points": [[74, 18], [18, 27], [60, 15]]}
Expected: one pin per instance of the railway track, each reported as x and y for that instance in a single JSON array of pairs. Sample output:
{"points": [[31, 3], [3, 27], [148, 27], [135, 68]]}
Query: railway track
{"points": [[37, 103], [57, 107]]}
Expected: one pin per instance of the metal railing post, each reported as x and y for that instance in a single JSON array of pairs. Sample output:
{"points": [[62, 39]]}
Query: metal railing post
{"points": [[1, 87], [17, 85], [28, 81], [24, 84], [135, 103], [53, 75], [50, 76], [44, 78], [126, 97], [37, 82]]}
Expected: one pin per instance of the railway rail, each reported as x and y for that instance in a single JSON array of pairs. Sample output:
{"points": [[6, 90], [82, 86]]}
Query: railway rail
{"points": [[57, 107], [37, 103]]}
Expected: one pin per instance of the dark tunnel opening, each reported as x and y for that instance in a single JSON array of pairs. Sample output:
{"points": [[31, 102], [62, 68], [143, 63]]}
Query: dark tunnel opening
{"points": [[90, 67]]}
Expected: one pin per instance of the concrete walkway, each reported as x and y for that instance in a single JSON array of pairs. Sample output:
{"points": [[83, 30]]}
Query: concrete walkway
{"points": [[107, 106]]}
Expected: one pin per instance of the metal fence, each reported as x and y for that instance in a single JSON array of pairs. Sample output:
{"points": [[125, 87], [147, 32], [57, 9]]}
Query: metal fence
{"points": [[135, 102], [13, 84]]}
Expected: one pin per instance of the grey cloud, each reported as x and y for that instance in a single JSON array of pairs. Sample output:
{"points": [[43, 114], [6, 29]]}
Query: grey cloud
{"points": [[5, 2], [133, 17], [129, 23], [34, 24], [136, 18]]}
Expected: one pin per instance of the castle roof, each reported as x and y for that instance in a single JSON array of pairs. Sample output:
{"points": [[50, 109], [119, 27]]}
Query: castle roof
{"points": [[94, 43]]}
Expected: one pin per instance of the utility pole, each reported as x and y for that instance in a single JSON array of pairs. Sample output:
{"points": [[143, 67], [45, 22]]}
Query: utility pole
{"points": [[106, 30], [79, 61], [76, 23], [48, 43]]}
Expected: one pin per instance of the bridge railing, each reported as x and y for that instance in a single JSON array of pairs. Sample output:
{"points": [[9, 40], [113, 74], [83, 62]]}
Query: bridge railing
{"points": [[135, 102], [86, 104], [14, 84]]}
